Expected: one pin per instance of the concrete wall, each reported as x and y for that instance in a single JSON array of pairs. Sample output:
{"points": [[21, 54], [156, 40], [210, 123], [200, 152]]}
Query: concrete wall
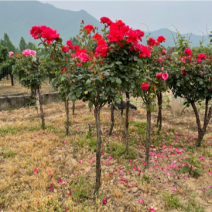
{"points": [[14, 101]]}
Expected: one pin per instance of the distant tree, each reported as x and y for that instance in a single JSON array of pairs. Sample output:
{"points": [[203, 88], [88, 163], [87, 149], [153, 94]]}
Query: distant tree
{"points": [[22, 44], [31, 46], [6, 64], [75, 41], [6, 42], [3, 54]]}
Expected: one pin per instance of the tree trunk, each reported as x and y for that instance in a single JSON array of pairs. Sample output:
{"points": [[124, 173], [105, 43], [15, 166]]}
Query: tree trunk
{"points": [[33, 94], [126, 121], [125, 129], [112, 119], [12, 80], [207, 117], [201, 132], [148, 132], [73, 108], [159, 119], [41, 109], [67, 116], [122, 107], [98, 148]]}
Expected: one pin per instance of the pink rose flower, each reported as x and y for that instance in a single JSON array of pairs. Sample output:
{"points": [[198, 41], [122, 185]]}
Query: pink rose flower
{"points": [[165, 76]]}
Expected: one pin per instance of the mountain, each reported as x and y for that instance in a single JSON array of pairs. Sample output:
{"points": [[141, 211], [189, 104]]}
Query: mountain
{"points": [[18, 17], [168, 34]]}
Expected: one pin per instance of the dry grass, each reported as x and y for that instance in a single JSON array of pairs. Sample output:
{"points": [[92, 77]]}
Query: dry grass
{"points": [[7, 88]]}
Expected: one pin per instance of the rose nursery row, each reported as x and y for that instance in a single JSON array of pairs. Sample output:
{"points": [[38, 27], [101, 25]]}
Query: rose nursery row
{"points": [[114, 62]]}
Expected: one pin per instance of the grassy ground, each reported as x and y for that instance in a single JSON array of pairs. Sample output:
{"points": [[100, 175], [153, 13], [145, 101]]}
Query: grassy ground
{"points": [[7, 88], [48, 171]]}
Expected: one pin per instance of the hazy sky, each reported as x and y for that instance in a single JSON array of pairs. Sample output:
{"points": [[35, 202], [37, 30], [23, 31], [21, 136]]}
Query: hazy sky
{"points": [[187, 16]]}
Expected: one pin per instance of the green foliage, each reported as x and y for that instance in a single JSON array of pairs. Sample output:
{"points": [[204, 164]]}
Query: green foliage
{"points": [[192, 205], [81, 190], [22, 44], [8, 154], [194, 168], [3, 54], [172, 201], [145, 178]]}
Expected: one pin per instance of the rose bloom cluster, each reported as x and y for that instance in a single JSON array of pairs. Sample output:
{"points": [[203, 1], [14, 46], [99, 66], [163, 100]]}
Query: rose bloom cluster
{"points": [[45, 32], [79, 54], [199, 59], [188, 51], [164, 76], [28, 52]]}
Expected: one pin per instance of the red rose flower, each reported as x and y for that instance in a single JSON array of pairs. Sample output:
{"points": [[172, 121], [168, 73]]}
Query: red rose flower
{"points": [[199, 60], [163, 51], [69, 43], [65, 49], [49, 34], [125, 29], [104, 201], [145, 52], [36, 32], [161, 39], [165, 76], [184, 72], [97, 36], [101, 42], [145, 86], [159, 75], [201, 56], [83, 57], [139, 33], [79, 51], [102, 50], [106, 20], [189, 58], [65, 69], [188, 51], [115, 36], [76, 47], [88, 28], [151, 42]]}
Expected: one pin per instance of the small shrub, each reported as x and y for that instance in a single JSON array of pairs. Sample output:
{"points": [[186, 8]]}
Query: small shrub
{"points": [[172, 201]]}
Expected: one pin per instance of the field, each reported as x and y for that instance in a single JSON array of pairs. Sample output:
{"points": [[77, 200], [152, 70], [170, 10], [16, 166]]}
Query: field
{"points": [[44, 170]]}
